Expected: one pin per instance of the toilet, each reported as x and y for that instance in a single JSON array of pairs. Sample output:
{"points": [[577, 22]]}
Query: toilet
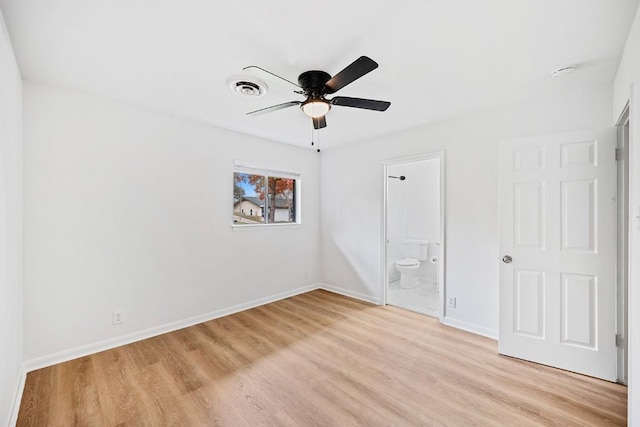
{"points": [[409, 267]]}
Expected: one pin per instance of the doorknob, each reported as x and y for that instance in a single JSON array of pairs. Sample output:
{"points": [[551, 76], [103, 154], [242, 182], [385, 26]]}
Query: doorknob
{"points": [[507, 259]]}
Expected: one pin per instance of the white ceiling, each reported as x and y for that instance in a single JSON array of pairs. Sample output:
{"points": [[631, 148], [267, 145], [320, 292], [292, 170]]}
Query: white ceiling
{"points": [[438, 58]]}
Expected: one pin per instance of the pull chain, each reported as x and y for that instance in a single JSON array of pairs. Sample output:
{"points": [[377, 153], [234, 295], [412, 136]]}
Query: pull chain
{"points": [[315, 141]]}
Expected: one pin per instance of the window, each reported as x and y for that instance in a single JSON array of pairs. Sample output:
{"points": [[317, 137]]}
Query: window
{"points": [[263, 196]]}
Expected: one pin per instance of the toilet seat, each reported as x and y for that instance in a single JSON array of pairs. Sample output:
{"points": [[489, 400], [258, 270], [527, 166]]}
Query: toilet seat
{"points": [[407, 262]]}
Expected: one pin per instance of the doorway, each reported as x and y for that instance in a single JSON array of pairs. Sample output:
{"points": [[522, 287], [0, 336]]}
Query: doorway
{"points": [[413, 238]]}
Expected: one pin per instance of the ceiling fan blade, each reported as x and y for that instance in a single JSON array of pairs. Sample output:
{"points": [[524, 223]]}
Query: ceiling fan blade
{"points": [[273, 108], [260, 70], [352, 72], [367, 104], [319, 122]]}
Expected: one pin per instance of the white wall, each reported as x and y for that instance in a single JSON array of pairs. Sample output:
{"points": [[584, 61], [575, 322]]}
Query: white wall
{"points": [[127, 209], [628, 70], [627, 88], [352, 180], [11, 371]]}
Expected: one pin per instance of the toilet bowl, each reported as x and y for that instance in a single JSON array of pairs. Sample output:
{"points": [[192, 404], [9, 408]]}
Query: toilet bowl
{"points": [[409, 269]]}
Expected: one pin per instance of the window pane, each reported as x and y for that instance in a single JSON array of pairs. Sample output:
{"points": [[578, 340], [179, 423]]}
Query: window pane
{"points": [[248, 198], [281, 202]]}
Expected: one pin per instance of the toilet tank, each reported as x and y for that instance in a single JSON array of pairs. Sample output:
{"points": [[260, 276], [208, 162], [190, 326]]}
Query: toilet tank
{"points": [[417, 248]]}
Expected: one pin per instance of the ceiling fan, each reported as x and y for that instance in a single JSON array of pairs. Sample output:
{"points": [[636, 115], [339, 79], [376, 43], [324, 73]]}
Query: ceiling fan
{"points": [[315, 85]]}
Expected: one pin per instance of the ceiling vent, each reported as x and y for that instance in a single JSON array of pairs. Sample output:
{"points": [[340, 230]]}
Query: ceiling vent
{"points": [[247, 87]]}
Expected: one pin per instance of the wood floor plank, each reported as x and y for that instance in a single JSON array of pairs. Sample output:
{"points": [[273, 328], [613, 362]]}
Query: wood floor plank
{"points": [[312, 360]]}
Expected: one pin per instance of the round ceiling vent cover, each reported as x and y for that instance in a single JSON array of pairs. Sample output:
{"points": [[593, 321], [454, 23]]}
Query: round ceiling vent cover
{"points": [[249, 88]]}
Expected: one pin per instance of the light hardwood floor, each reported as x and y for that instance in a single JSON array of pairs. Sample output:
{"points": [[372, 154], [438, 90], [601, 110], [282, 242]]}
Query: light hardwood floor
{"points": [[315, 359]]}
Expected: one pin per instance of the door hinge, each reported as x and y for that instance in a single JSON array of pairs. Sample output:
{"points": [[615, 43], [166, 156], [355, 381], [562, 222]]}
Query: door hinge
{"points": [[619, 340], [619, 154]]}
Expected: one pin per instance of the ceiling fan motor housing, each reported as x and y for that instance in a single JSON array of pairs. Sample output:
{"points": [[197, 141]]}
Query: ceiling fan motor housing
{"points": [[313, 82]]}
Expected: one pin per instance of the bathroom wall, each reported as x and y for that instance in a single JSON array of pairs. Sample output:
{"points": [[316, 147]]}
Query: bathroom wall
{"points": [[413, 211]]}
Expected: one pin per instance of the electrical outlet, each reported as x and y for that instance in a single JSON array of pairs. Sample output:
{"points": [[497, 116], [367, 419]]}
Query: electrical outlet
{"points": [[306, 275], [451, 302], [116, 317]]}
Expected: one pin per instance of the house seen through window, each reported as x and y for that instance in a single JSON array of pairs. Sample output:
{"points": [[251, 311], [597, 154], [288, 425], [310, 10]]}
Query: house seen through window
{"points": [[264, 197]]}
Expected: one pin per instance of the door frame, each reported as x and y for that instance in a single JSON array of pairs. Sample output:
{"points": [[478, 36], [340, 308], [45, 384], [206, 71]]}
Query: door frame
{"points": [[622, 256], [384, 273]]}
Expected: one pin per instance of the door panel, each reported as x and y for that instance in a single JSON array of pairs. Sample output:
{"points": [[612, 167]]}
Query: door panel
{"points": [[557, 210], [529, 303], [578, 310], [578, 215], [529, 214], [579, 154]]}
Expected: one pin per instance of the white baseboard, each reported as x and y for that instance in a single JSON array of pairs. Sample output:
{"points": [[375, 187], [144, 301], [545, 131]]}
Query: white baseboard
{"points": [[17, 398], [454, 323], [470, 327], [349, 293], [74, 353]]}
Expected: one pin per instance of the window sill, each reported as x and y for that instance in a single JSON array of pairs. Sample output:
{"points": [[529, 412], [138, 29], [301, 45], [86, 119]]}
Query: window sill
{"points": [[245, 227]]}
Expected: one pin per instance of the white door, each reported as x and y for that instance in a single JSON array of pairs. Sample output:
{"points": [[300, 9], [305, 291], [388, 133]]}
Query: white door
{"points": [[558, 226]]}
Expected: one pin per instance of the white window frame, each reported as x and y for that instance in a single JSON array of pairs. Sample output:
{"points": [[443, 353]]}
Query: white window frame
{"points": [[252, 169]]}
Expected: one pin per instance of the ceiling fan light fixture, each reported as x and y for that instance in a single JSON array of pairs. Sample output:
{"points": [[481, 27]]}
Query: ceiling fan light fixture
{"points": [[315, 108]]}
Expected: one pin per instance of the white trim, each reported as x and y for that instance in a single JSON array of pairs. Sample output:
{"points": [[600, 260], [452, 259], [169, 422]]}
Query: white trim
{"points": [[633, 331], [623, 221], [470, 327], [244, 167], [443, 237], [244, 227], [17, 398], [413, 158], [74, 353], [349, 293], [384, 265], [449, 321], [623, 119]]}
